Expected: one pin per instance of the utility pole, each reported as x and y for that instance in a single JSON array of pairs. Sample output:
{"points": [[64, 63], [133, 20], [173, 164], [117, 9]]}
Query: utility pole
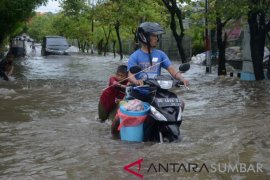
{"points": [[207, 41]]}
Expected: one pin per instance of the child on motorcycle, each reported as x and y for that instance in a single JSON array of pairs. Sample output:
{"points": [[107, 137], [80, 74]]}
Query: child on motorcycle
{"points": [[113, 94]]}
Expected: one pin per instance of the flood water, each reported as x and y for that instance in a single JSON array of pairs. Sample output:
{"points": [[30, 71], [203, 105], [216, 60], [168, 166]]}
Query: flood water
{"points": [[49, 127]]}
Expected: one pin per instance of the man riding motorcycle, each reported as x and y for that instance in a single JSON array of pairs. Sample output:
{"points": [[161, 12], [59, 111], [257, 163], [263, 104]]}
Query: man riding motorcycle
{"points": [[149, 60]]}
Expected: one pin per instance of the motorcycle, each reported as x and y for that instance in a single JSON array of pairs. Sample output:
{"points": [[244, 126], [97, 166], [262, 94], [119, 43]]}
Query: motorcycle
{"points": [[165, 117]]}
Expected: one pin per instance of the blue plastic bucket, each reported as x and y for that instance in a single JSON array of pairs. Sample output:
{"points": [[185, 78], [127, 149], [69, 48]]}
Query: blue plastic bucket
{"points": [[133, 133]]}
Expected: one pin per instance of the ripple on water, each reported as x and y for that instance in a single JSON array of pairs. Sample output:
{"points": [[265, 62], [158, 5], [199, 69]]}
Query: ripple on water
{"points": [[50, 129]]}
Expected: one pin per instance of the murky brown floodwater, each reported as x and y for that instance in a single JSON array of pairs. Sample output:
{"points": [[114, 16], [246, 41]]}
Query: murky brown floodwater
{"points": [[49, 127]]}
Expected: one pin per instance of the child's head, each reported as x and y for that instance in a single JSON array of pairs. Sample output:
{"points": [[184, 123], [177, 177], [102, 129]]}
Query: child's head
{"points": [[121, 72]]}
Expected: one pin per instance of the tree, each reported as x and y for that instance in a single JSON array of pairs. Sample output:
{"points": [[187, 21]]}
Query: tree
{"points": [[194, 12], [174, 8], [257, 14], [127, 14], [226, 16], [41, 25], [221, 44], [14, 14], [79, 18], [259, 25]]}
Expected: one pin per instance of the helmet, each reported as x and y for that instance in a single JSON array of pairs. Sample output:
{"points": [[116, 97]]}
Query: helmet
{"points": [[146, 29]]}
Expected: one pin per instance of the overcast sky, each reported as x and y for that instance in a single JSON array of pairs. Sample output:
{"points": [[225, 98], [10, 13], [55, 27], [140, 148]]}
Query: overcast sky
{"points": [[52, 6]]}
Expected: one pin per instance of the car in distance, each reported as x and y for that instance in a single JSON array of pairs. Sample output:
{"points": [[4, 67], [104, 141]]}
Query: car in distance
{"points": [[17, 47], [54, 45]]}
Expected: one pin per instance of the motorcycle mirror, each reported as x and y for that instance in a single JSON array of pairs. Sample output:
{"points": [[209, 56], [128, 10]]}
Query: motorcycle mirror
{"points": [[184, 67], [135, 69]]}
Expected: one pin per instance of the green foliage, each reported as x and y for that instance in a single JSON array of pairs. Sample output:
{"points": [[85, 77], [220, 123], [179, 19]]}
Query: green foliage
{"points": [[78, 18], [41, 25], [73, 7], [75, 21], [195, 14], [128, 14], [14, 14]]}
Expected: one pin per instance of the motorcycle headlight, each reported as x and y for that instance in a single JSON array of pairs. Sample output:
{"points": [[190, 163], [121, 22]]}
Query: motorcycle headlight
{"points": [[165, 84], [157, 114]]}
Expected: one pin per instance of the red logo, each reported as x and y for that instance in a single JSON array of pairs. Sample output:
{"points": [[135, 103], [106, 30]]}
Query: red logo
{"points": [[128, 166]]}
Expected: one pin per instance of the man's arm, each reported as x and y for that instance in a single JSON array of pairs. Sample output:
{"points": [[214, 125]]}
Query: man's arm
{"points": [[177, 75], [133, 80]]}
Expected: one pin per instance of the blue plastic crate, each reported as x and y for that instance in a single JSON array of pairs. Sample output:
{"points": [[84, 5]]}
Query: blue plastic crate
{"points": [[247, 76]]}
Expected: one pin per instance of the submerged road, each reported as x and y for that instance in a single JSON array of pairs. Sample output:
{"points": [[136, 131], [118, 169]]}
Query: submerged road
{"points": [[49, 127]]}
